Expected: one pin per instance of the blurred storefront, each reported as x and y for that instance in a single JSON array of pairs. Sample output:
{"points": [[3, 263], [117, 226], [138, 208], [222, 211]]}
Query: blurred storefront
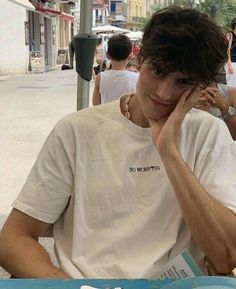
{"points": [[14, 36], [33, 33], [50, 30]]}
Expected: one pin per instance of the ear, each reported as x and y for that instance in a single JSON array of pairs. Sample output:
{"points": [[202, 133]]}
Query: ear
{"points": [[108, 55]]}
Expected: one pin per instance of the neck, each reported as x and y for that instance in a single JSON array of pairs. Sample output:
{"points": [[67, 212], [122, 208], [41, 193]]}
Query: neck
{"points": [[136, 113], [119, 65]]}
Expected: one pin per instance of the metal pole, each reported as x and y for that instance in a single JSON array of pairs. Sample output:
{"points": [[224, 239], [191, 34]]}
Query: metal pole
{"points": [[85, 27]]}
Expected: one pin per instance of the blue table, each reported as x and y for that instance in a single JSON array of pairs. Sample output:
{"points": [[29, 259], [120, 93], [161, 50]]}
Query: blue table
{"points": [[77, 283]]}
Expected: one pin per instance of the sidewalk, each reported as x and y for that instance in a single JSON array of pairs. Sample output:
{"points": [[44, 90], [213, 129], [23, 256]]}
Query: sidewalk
{"points": [[30, 105]]}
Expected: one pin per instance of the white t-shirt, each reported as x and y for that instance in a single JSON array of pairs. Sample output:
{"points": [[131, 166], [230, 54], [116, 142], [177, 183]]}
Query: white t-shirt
{"points": [[231, 78], [101, 179], [114, 83]]}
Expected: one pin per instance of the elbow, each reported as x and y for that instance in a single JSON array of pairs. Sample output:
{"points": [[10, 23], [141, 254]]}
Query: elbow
{"points": [[4, 241], [226, 262], [95, 101], [231, 262]]}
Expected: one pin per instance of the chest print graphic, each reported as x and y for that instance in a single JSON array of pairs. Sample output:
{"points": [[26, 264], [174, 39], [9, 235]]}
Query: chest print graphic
{"points": [[143, 169]]}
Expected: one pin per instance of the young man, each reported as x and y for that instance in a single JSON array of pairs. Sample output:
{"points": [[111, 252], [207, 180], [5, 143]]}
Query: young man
{"points": [[130, 184], [112, 83]]}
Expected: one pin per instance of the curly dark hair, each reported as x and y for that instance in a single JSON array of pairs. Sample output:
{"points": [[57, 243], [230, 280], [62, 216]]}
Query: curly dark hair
{"points": [[180, 39]]}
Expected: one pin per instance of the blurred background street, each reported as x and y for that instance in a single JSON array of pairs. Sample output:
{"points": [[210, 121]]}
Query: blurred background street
{"points": [[30, 105], [37, 37]]}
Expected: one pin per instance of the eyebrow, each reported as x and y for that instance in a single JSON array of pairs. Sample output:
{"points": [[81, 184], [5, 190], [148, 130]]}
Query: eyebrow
{"points": [[187, 78]]}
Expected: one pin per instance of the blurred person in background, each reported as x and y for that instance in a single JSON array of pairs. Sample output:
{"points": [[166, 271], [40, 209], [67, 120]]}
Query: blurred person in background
{"points": [[220, 100], [113, 83], [135, 49], [132, 65], [231, 63], [99, 57]]}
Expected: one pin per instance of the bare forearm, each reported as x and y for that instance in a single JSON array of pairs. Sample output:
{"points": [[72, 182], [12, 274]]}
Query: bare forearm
{"points": [[24, 257], [96, 99], [209, 221]]}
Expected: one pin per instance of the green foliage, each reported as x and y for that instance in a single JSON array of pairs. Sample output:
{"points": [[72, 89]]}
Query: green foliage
{"points": [[143, 22], [222, 11]]}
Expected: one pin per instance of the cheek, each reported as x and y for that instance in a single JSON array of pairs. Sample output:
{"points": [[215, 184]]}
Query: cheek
{"points": [[146, 83]]}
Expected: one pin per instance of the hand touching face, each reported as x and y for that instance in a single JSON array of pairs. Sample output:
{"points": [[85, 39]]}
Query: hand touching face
{"points": [[159, 94], [210, 97]]}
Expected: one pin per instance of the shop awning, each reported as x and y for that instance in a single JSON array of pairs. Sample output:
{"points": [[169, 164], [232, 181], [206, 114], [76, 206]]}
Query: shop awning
{"points": [[24, 3], [54, 12], [67, 17], [48, 11]]}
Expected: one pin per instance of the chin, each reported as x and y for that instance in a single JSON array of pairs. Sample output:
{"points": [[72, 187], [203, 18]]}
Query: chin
{"points": [[160, 115], [157, 117]]}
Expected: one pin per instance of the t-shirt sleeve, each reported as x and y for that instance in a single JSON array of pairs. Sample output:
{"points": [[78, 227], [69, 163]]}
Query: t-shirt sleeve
{"points": [[49, 185], [219, 174]]}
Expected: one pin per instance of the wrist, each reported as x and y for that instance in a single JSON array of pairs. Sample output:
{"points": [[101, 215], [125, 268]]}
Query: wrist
{"points": [[169, 153], [229, 113], [223, 107]]}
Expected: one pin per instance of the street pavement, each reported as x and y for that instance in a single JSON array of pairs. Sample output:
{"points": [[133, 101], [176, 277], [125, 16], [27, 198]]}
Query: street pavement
{"points": [[30, 105]]}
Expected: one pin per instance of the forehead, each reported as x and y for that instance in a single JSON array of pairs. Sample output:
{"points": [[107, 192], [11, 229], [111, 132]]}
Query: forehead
{"points": [[173, 73]]}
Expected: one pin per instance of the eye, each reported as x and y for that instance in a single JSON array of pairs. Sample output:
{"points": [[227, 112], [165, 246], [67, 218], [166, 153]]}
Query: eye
{"points": [[157, 70], [187, 82]]}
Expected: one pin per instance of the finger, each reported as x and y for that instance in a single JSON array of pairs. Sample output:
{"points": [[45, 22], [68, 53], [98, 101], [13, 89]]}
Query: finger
{"points": [[188, 100], [194, 95], [211, 89], [211, 98], [202, 99], [204, 106]]}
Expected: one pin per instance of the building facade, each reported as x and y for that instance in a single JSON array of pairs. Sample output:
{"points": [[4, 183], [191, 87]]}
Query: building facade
{"points": [[33, 41], [136, 11], [100, 12], [119, 13], [14, 56]]}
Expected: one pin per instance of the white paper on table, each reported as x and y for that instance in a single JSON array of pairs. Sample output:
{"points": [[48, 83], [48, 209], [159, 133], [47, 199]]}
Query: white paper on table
{"points": [[181, 267]]}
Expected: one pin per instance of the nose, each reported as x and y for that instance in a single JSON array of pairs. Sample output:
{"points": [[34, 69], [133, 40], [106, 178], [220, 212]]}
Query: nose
{"points": [[164, 88]]}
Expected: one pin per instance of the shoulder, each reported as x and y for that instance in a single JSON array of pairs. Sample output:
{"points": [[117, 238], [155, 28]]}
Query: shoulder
{"points": [[201, 118], [81, 120], [105, 76], [106, 72], [206, 129], [132, 74]]}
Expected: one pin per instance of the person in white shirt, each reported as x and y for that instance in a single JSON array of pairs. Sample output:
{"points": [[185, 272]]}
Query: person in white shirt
{"points": [[112, 83], [220, 100], [130, 184]]}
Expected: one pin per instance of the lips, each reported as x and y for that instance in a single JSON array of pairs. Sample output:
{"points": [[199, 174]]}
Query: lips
{"points": [[160, 102]]}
